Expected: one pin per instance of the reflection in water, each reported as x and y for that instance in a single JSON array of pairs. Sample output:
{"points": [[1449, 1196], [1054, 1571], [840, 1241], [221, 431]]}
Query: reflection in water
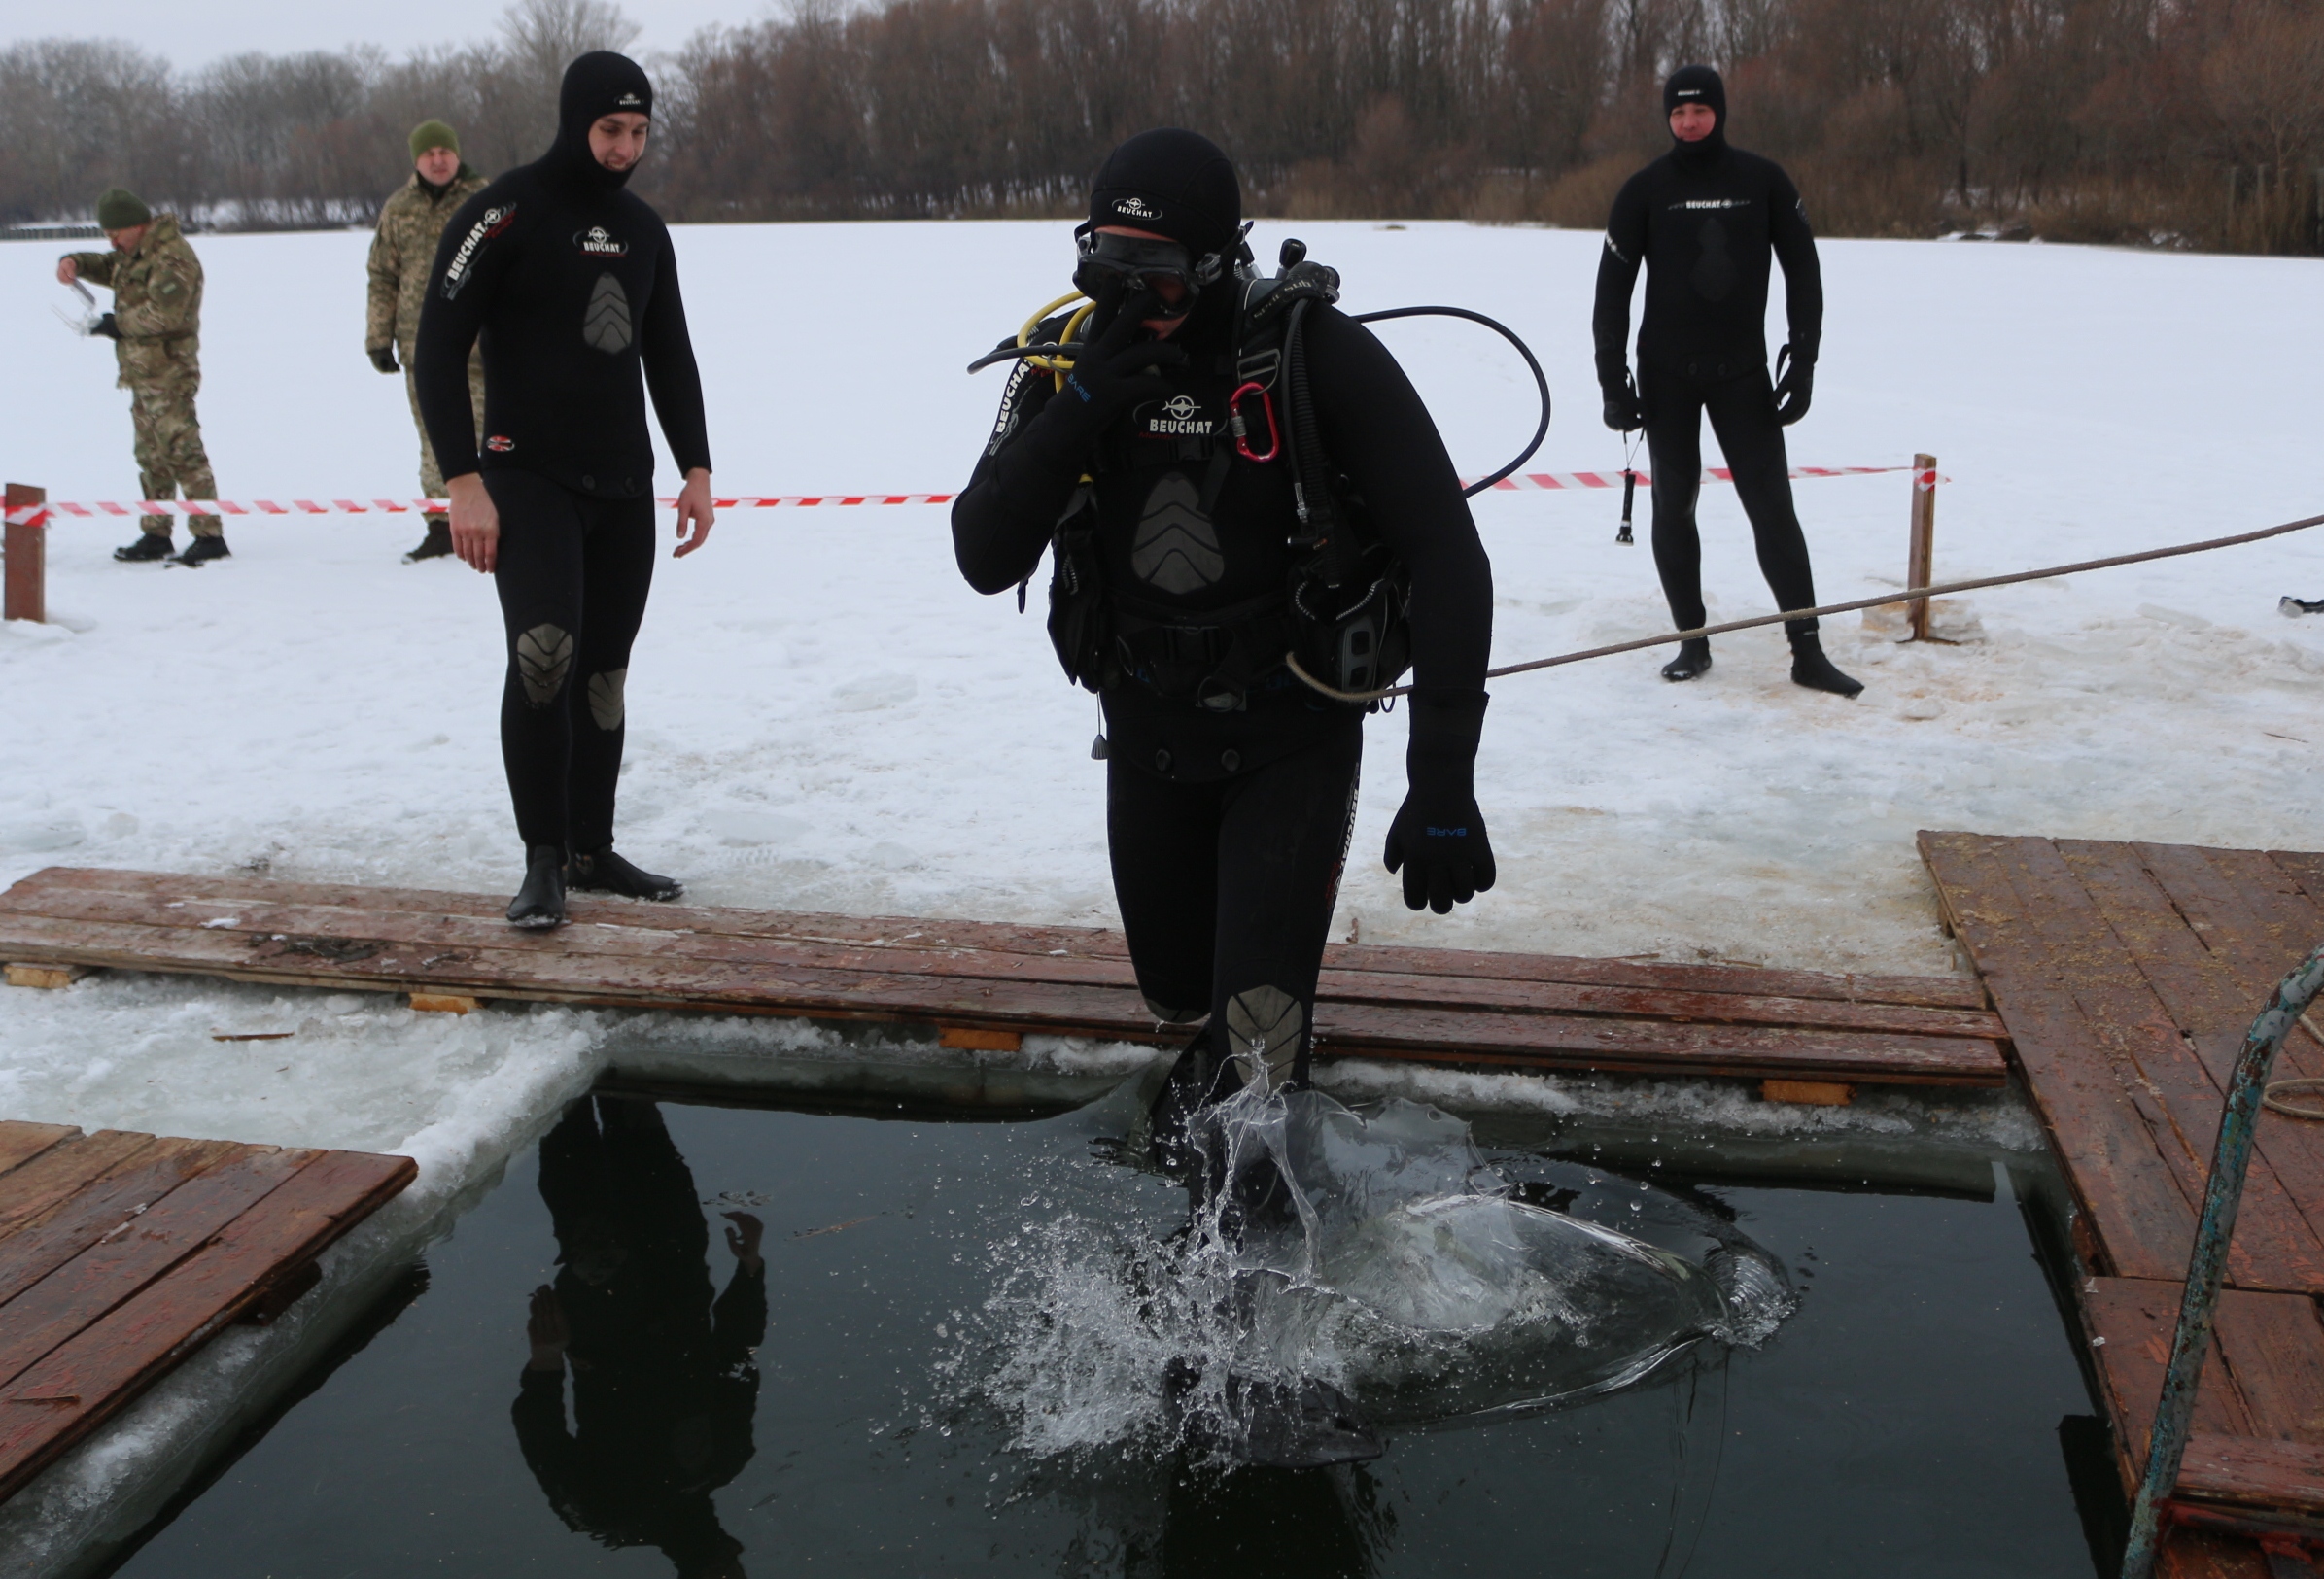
{"points": [[664, 1380], [1285, 1524]]}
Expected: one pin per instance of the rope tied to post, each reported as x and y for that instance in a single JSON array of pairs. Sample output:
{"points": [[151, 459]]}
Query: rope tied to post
{"points": [[1907, 596]]}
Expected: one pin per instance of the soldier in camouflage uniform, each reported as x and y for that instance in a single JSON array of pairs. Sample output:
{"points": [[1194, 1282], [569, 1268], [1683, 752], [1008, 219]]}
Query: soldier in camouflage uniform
{"points": [[401, 255], [155, 328]]}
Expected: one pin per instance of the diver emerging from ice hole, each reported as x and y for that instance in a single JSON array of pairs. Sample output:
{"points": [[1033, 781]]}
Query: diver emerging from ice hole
{"points": [[664, 1379], [1705, 220], [1204, 527]]}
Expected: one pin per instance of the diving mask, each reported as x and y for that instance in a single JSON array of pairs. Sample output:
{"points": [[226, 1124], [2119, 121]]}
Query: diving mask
{"points": [[1144, 263]]}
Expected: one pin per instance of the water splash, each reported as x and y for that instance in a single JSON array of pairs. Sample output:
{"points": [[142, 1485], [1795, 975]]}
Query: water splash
{"points": [[1374, 1250]]}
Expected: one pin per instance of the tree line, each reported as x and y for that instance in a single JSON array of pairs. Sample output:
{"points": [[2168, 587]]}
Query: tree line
{"points": [[2194, 122]]}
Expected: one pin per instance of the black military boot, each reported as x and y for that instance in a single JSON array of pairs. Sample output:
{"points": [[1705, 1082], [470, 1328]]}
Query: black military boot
{"points": [[1811, 669], [1693, 662], [606, 872], [436, 544], [150, 545], [202, 550], [540, 903]]}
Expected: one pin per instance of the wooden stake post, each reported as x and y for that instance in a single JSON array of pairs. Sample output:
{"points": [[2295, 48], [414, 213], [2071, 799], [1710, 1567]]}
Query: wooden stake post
{"points": [[26, 595], [1916, 570]]}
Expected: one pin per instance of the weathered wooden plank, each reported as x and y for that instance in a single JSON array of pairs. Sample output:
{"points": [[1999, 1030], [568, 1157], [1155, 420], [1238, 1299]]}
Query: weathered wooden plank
{"points": [[100, 1207], [2275, 1346], [20, 1142], [709, 984], [37, 893], [2129, 1321], [2137, 1207], [2274, 1247], [82, 1382], [116, 1267], [2180, 1017], [30, 1192], [494, 949], [2206, 1554], [2252, 1472]]}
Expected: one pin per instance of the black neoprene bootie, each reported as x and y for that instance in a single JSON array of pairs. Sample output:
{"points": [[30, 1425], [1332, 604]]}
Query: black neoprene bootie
{"points": [[435, 545], [1811, 669], [606, 872], [1693, 660], [150, 545], [540, 903], [202, 550]]}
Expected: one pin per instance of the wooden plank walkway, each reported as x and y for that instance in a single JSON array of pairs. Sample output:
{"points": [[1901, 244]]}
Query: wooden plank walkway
{"points": [[122, 1253], [1446, 1005], [2127, 975]]}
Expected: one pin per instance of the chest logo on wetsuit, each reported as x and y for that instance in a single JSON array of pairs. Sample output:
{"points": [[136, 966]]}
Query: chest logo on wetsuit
{"points": [[1181, 416], [490, 223], [596, 244], [1176, 549], [499, 444], [1714, 202]]}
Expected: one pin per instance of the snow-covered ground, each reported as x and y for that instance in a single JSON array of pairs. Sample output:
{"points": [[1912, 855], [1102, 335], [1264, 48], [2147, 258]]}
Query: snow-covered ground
{"points": [[824, 717]]}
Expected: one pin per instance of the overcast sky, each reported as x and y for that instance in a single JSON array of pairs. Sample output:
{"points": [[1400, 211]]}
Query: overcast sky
{"points": [[191, 33]]}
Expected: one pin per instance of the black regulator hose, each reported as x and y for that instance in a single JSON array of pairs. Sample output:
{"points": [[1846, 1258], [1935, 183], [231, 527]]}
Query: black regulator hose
{"points": [[1541, 380]]}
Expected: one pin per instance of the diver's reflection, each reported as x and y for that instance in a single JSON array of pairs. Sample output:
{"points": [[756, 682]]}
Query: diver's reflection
{"points": [[664, 1381], [1285, 1524]]}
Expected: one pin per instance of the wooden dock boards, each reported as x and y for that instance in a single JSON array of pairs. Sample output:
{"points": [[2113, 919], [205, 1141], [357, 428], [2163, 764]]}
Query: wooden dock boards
{"points": [[1448, 1005], [2128, 975], [121, 1254]]}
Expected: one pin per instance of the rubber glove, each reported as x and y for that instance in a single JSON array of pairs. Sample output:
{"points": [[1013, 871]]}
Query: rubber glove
{"points": [[1437, 841], [1794, 387], [1623, 412], [1117, 372]]}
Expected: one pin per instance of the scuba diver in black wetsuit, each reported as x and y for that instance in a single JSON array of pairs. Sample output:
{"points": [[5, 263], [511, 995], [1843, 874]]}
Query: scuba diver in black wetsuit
{"points": [[1231, 786], [664, 1381], [1703, 220], [573, 284]]}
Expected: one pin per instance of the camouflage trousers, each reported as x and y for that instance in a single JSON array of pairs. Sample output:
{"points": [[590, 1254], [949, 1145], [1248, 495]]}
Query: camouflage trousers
{"points": [[432, 475], [171, 461]]}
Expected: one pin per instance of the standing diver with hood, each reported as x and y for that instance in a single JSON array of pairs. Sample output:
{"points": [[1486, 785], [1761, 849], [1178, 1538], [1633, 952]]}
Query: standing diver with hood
{"points": [[1703, 220], [1231, 786], [572, 283]]}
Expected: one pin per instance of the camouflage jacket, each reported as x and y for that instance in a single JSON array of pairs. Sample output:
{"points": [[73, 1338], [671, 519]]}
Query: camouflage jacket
{"points": [[156, 303], [403, 252]]}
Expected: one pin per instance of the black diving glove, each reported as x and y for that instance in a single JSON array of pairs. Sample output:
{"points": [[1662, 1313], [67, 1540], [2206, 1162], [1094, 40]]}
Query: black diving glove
{"points": [[1437, 839], [1623, 412], [108, 326], [1112, 375], [383, 358], [1794, 387]]}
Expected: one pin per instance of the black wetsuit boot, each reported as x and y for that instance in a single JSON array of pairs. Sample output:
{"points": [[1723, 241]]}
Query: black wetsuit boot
{"points": [[540, 903], [1692, 663], [1812, 669], [601, 872]]}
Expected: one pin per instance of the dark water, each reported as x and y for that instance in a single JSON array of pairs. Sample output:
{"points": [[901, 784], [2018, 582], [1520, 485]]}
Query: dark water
{"points": [[1904, 1422]]}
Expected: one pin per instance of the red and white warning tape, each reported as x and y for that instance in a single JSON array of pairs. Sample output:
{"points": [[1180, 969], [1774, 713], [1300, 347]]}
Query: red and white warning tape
{"points": [[1716, 474], [39, 515]]}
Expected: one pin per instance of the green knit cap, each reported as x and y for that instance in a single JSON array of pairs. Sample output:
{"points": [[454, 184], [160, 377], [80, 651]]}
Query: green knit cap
{"points": [[430, 134], [119, 209]]}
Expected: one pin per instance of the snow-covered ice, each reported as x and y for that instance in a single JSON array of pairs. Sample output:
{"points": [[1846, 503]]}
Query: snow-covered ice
{"points": [[824, 717]]}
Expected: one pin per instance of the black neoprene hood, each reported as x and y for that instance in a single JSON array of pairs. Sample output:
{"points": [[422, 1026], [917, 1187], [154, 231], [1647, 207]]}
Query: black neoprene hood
{"points": [[599, 83], [1174, 182]]}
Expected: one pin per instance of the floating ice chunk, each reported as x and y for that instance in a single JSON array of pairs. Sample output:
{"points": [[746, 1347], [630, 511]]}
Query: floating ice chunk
{"points": [[40, 837]]}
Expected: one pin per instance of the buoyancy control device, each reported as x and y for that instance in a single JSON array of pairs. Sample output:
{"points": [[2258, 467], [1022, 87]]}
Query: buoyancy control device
{"points": [[1342, 614]]}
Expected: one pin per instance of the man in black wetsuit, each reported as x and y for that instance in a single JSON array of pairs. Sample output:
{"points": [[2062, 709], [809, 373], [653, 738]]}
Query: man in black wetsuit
{"points": [[1230, 798], [573, 284], [1704, 219]]}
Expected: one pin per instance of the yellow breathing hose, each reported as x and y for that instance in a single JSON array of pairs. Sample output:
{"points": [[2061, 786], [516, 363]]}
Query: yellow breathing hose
{"points": [[1057, 367]]}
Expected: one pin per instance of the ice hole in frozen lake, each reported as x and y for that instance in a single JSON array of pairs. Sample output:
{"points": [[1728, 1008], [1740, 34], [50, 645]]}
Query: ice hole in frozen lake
{"points": [[955, 1360]]}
